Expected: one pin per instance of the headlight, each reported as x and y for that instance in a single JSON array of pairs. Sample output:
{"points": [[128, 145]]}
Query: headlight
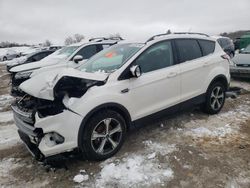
{"points": [[22, 75]]}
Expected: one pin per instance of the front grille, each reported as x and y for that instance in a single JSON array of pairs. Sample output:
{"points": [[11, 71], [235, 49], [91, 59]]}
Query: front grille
{"points": [[243, 65], [28, 116]]}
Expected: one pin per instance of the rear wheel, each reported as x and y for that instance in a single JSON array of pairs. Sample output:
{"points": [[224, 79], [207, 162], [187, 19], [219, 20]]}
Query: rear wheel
{"points": [[103, 135], [4, 58], [215, 98]]}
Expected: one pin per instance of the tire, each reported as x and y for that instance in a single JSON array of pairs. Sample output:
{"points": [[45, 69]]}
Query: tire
{"points": [[215, 98], [95, 143], [4, 58]]}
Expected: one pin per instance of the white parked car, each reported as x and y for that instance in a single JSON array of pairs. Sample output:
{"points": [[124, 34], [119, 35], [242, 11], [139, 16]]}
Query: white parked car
{"points": [[90, 109], [69, 56], [8, 54]]}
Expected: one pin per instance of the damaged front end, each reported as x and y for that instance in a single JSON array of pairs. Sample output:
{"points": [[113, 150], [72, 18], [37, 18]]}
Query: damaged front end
{"points": [[25, 110], [33, 106]]}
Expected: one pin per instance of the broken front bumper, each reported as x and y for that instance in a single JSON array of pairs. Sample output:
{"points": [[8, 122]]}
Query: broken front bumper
{"points": [[241, 72], [38, 136]]}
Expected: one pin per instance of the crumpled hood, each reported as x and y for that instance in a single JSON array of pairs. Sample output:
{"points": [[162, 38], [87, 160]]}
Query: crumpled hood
{"points": [[42, 85], [36, 65], [242, 59]]}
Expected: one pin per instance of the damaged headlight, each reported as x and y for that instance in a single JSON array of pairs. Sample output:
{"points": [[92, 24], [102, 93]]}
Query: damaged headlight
{"points": [[22, 75]]}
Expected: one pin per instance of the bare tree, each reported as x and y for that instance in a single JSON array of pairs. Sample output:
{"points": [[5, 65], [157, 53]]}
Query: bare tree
{"points": [[69, 40], [74, 39], [169, 31], [47, 43], [78, 37], [114, 35]]}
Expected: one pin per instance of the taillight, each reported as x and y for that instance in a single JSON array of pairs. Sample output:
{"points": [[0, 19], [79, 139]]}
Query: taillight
{"points": [[227, 57]]}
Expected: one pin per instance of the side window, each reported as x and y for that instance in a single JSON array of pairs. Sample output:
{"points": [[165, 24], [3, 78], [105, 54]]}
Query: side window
{"points": [[156, 57], [188, 49], [88, 51], [38, 57], [207, 47], [104, 46]]}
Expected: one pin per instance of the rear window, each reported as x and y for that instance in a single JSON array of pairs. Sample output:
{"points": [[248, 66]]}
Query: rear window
{"points": [[188, 49], [207, 47]]}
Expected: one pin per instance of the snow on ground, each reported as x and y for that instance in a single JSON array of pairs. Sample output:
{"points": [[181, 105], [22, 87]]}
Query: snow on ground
{"points": [[8, 136], [134, 170], [6, 117], [5, 101], [6, 165], [137, 168], [219, 126]]}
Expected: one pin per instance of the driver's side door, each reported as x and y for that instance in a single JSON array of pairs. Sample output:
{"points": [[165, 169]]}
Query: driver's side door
{"points": [[158, 87]]}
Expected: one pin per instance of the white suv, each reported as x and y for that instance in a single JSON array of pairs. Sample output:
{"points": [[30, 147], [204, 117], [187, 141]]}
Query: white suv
{"points": [[89, 109]]}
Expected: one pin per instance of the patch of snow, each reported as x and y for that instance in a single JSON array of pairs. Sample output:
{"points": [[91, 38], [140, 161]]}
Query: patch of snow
{"points": [[8, 136], [160, 148], [6, 117], [215, 132], [133, 170], [6, 165], [5, 99], [81, 178], [152, 155]]}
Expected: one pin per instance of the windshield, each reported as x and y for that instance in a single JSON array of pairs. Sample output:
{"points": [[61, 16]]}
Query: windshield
{"points": [[63, 53], [247, 49], [111, 59]]}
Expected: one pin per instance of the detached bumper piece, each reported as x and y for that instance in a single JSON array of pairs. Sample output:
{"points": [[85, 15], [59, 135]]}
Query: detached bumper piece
{"points": [[30, 135], [33, 148], [241, 72]]}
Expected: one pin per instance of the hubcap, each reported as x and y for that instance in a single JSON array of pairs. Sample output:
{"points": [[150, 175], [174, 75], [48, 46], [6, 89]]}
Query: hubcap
{"points": [[106, 136], [217, 98]]}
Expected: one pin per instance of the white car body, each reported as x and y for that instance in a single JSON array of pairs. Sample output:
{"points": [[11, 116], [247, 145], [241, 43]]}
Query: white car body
{"points": [[141, 97]]}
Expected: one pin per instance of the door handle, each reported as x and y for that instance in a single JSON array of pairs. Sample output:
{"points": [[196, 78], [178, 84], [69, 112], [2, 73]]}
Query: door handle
{"points": [[171, 74], [125, 90]]}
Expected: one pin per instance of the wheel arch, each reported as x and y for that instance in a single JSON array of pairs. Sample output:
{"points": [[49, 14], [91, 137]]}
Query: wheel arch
{"points": [[220, 78], [107, 106]]}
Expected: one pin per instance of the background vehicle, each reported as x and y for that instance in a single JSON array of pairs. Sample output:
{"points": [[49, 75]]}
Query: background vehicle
{"points": [[241, 64], [92, 107], [8, 54], [227, 45], [69, 56], [33, 57]]}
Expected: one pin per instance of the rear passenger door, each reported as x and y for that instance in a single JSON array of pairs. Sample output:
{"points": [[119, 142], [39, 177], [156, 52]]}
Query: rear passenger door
{"points": [[194, 65]]}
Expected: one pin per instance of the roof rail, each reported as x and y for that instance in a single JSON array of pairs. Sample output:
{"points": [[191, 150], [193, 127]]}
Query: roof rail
{"points": [[99, 39], [153, 37], [163, 34], [192, 33]]}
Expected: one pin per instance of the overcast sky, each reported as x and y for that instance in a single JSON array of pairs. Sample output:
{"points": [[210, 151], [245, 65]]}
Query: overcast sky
{"points": [[34, 21]]}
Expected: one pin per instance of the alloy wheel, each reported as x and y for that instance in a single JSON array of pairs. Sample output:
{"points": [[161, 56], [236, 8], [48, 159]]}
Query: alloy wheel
{"points": [[217, 98], [106, 136]]}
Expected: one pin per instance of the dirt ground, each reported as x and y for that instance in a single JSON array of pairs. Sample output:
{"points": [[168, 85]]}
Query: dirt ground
{"points": [[191, 149]]}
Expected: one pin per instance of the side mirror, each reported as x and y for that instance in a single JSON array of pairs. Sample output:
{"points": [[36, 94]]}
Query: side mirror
{"points": [[241, 50], [77, 58], [135, 71]]}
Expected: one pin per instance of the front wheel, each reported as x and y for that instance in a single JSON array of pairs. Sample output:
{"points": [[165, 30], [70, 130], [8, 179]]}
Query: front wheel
{"points": [[215, 98], [4, 58], [103, 135]]}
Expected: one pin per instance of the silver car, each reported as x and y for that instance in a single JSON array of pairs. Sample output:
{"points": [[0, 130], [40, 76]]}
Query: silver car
{"points": [[9, 55], [241, 64]]}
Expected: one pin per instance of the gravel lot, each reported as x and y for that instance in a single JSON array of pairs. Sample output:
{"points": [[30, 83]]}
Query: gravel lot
{"points": [[191, 149]]}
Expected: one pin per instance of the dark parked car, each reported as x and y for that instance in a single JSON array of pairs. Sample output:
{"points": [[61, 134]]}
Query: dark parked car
{"points": [[227, 45], [36, 56]]}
